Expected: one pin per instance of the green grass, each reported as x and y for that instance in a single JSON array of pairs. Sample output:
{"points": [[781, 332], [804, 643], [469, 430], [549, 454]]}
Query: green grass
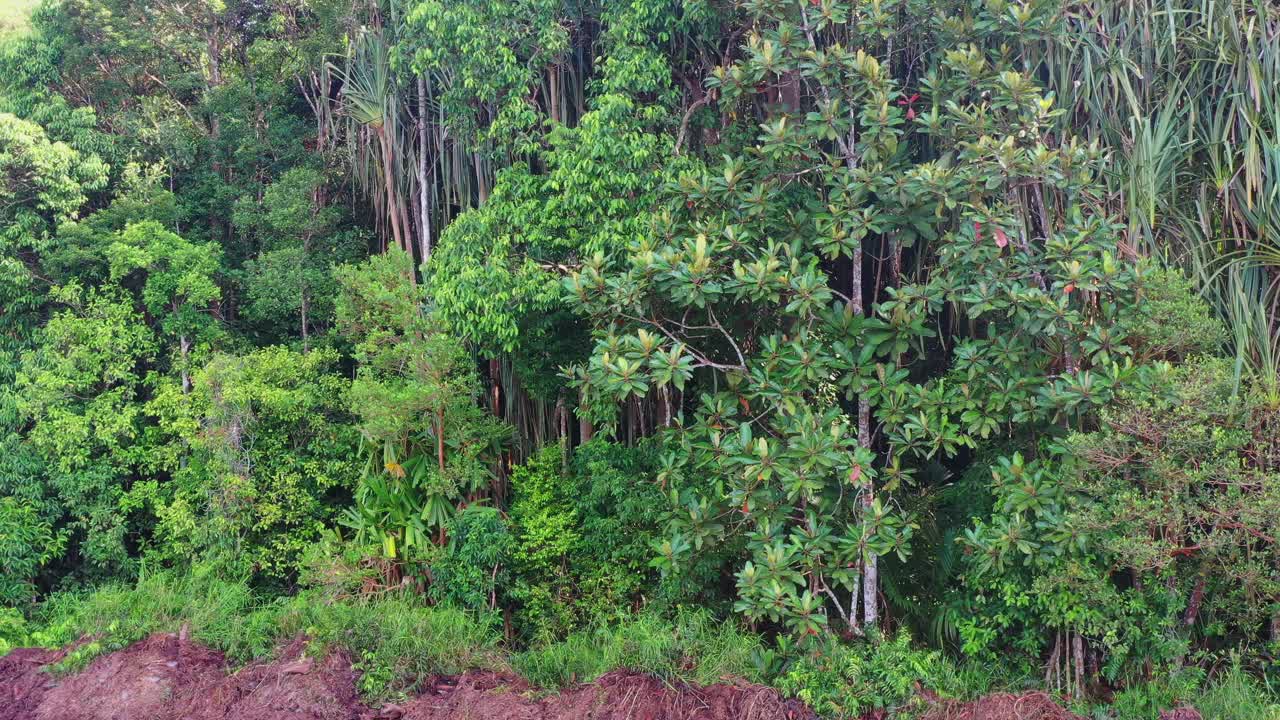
{"points": [[396, 639], [1237, 695], [1230, 694], [692, 648]]}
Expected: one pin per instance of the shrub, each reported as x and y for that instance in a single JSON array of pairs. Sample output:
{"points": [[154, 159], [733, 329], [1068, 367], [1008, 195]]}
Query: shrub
{"points": [[1172, 321], [13, 630], [547, 532], [583, 538], [850, 681], [474, 565], [27, 542]]}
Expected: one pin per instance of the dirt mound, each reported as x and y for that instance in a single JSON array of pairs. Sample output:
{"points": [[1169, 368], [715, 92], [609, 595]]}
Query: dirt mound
{"points": [[165, 677], [23, 682], [620, 695], [1002, 706], [293, 687], [137, 682]]}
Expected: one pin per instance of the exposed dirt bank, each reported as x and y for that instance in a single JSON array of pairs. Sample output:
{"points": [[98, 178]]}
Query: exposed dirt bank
{"points": [[168, 678]]}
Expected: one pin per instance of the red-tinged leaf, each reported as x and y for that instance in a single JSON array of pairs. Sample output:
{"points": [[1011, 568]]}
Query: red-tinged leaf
{"points": [[1002, 240], [911, 113], [977, 231], [855, 474], [745, 509]]}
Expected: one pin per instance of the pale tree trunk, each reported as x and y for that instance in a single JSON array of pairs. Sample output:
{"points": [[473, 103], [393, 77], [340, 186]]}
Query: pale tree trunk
{"points": [[424, 210], [870, 563], [585, 428], [870, 566], [184, 347], [482, 187]]}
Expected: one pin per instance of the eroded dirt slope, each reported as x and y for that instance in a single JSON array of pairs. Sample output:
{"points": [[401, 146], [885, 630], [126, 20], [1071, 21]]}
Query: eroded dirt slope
{"points": [[168, 678]]}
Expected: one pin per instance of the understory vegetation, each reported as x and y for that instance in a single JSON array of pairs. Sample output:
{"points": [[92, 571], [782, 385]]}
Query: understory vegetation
{"points": [[879, 351]]}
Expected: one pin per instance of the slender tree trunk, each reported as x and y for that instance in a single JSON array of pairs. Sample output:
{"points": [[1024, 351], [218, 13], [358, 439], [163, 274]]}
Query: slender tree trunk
{"points": [[585, 428], [393, 214], [870, 564], [440, 439], [184, 347], [495, 404], [1078, 659], [482, 187], [1052, 676], [424, 211], [553, 92], [1193, 605]]}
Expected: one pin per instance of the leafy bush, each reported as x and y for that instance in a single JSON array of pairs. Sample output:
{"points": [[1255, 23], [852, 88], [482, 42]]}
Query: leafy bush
{"points": [[13, 630], [1146, 539], [548, 533], [27, 542], [620, 505], [850, 681], [1172, 322], [429, 444], [584, 537], [261, 461], [474, 566]]}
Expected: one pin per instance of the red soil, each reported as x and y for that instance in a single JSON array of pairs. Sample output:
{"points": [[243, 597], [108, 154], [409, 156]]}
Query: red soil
{"points": [[23, 684], [620, 695], [1002, 706]]}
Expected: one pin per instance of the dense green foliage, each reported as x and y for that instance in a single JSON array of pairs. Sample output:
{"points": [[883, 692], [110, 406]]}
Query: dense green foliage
{"points": [[851, 346]]}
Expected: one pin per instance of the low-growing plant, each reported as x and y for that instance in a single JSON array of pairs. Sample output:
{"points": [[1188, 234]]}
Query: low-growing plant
{"points": [[840, 680], [13, 630], [397, 637], [399, 640], [1233, 693], [1237, 695], [692, 647]]}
